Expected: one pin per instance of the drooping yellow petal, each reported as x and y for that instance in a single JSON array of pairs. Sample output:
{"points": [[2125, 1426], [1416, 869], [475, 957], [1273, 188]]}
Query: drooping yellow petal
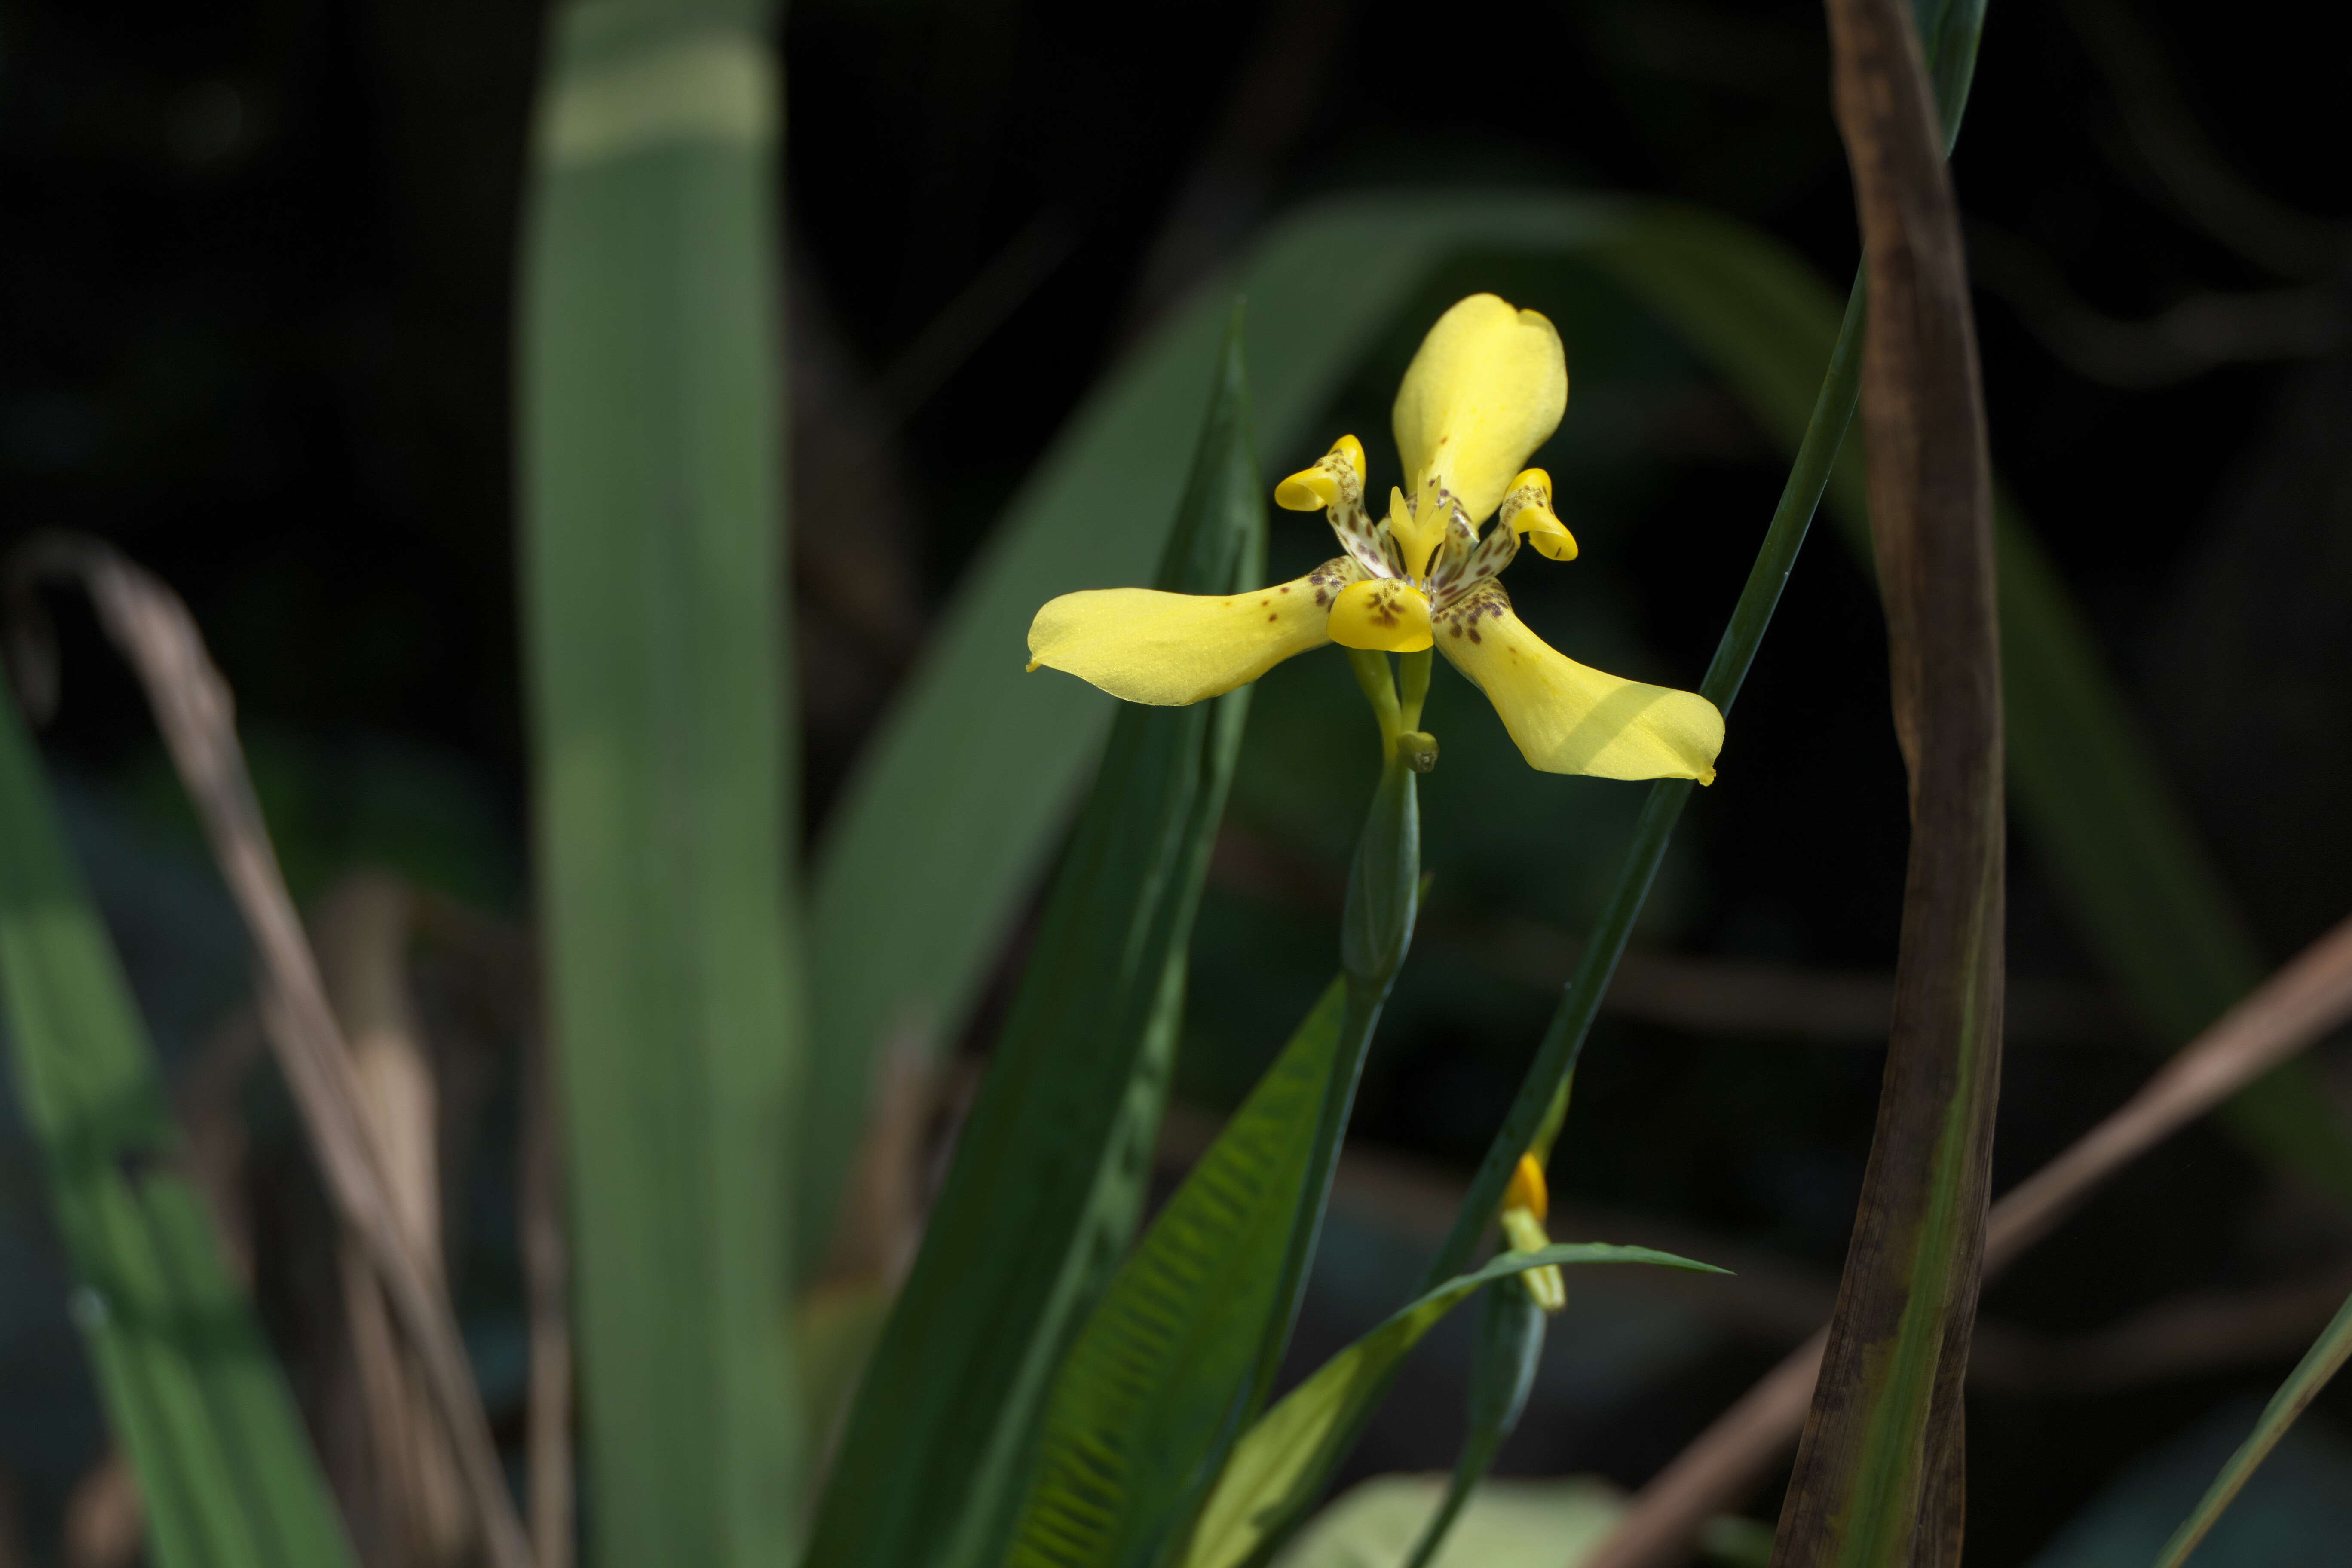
{"points": [[1168, 649], [1486, 389], [1383, 615], [1569, 718]]}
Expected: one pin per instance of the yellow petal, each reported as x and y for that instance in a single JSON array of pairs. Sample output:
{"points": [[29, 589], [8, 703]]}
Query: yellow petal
{"points": [[1527, 510], [1569, 718], [1383, 615], [1312, 490], [1168, 649], [1486, 389]]}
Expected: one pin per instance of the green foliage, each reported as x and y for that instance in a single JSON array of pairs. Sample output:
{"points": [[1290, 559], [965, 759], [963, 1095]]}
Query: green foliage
{"points": [[1048, 1179], [964, 792], [1159, 1384], [2118, 844], [910, 897], [224, 1469], [1510, 1348], [1283, 1462], [2322, 1362], [653, 571]]}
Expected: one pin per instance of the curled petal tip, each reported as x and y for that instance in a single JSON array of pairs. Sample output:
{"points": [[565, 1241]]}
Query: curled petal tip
{"points": [[1526, 509], [1310, 490], [1339, 475]]}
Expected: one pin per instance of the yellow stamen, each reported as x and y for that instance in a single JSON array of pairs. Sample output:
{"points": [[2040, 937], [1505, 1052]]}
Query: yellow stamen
{"points": [[1419, 528], [1381, 614], [1312, 490]]}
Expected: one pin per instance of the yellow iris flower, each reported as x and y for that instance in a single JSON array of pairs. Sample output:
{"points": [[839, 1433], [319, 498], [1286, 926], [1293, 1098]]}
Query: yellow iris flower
{"points": [[1486, 388]]}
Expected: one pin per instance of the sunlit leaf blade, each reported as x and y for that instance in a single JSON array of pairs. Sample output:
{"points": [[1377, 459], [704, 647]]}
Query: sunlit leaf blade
{"points": [[1048, 1179], [653, 588], [1281, 1464], [1186, 1342], [1168, 1359], [225, 1471], [2322, 1362]]}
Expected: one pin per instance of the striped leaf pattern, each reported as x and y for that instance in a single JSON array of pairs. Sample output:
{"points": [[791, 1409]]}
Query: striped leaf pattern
{"points": [[1164, 1368]]}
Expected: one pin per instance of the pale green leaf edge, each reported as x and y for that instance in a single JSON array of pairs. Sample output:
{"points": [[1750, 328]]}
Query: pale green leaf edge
{"points": [[1283, 1461], [2322, 1362]]}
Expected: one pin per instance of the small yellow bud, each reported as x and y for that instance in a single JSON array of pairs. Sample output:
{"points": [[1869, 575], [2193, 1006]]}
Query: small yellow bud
{"points": [[1418, 748], [1527, 1190]]}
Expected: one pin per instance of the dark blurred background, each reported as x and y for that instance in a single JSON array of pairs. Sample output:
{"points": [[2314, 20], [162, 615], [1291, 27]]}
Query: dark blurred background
{"points": [[257, 276]]}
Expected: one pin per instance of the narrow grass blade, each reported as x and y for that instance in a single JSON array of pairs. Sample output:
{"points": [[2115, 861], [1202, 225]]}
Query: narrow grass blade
{"points": [[1280, 1466], [1048, 1177], [653, 587], [224, 1469], [1510, 1347], [1878, 1477], [2322, 1362]]}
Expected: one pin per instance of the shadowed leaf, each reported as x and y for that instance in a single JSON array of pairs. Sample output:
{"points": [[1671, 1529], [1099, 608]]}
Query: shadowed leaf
{"points": [[1048, 1179]]}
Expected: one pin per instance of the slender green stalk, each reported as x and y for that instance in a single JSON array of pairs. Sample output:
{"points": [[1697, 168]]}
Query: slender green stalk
{"points": [[2322, 1362], [1548, 1077], [1510, 1348], [1375, 931]]}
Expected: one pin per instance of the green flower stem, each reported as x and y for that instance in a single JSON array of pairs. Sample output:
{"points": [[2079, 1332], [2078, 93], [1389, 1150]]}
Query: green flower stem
{"points": [[1375, 931], [1414, 670], [1379, 689], [1543, 1095]]}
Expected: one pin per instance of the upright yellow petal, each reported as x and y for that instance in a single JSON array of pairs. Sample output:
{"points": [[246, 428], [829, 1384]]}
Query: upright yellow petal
{"points": [[1569, 718], [1486, 389], [1168, 649]]}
